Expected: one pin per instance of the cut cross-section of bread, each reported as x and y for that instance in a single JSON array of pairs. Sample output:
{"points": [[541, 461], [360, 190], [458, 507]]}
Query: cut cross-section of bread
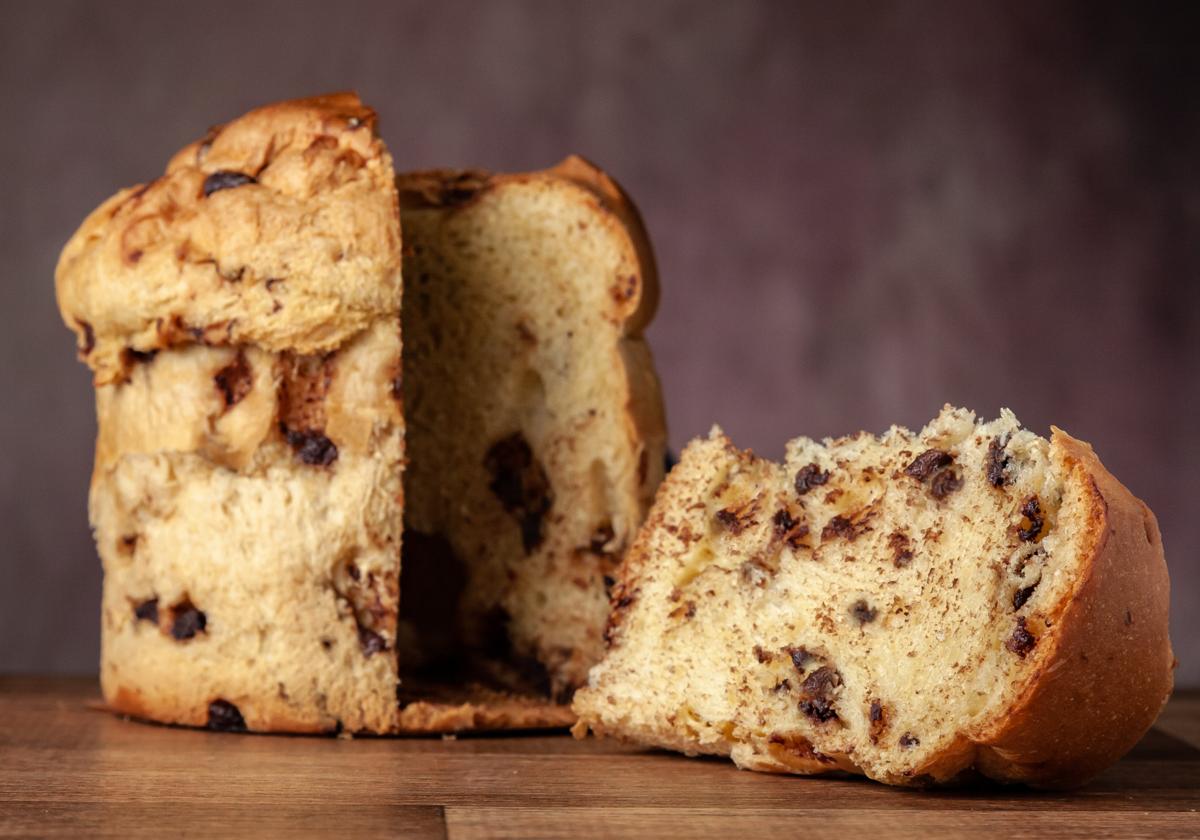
{"points": [[535, 424], [241, 314], [907, 606]]}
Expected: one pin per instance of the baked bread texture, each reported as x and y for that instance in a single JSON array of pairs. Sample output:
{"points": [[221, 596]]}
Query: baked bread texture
{"points": [[535, 423], [241, 315], [909, 606]]}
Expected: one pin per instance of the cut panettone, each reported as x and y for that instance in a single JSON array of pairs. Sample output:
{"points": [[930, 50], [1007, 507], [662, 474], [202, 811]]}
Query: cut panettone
{"points": [[535, 423], [906, 606], [241, 315]]}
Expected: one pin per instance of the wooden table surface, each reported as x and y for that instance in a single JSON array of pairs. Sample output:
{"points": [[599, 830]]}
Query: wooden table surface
{"points": [[67, 769]]}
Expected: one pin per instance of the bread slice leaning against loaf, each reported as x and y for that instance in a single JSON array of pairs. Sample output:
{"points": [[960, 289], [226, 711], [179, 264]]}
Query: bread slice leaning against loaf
{"points": [[911, 607], [535, 422], [241, 315]]}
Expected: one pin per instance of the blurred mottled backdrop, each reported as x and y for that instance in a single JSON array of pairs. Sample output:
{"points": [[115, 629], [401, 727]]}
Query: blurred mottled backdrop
{"points": [[861, 211]]}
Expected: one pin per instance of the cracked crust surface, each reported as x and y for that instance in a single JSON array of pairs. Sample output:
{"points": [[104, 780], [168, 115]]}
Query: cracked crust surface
{"points": [[276, 230], [242, 320], [911, 607]]}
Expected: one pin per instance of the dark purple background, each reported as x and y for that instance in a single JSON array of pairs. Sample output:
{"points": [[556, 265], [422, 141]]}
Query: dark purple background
{"points": [[861, 211]]}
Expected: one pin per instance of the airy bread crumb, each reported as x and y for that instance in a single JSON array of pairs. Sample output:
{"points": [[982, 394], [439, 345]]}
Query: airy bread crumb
{"points": [[904, 606]]}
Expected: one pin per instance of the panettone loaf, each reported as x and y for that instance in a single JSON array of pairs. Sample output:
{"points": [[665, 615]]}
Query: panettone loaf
{"points": [[535, 424], [241, 315], [908, 607]]}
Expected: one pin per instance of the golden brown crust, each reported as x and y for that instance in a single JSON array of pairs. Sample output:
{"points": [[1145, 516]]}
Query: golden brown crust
{"points": [[436, 710], [279, 230], [586, 174], [234, 454], [473, 707], [1109, 673], [266, 717], [645, 407], [434, 188], [1087, 690]]}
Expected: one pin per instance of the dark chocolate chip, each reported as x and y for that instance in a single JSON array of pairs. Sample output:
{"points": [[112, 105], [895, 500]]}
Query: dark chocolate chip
{"points": [[370, 641], [997, 463], [234, 380], [789, 529], [944, 483], [147, 611], [736, 520], [819, 709], [782, 522], [223, 716], [187, 621], [89, 338], [800, 658], [822, 681], [521, 485], [817, 691], [1022, 595], [1031, 509], [839, 526], [226, 179], [761, 655], [312, 448], [809, 477], [908, 740], [901, 547], [139, 357], [863, 612], [928, 462], [1021, 642], [877, 721]]}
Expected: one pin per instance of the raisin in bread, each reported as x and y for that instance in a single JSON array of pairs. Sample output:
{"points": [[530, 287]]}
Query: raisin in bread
{"points": [[907, 607], [535, 423], [241, 315]]}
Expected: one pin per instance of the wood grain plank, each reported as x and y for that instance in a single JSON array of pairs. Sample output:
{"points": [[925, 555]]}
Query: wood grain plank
{"points": [[68, 769], [466, 823], [219, 819]]}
